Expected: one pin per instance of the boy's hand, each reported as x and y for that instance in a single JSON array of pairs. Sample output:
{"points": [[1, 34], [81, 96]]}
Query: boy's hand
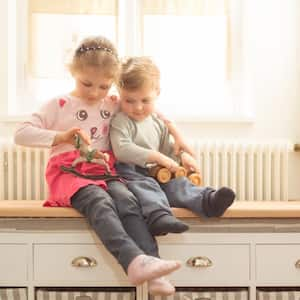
{"points": [[67, 137], [168, 163], [189, 162], [181, 145]]}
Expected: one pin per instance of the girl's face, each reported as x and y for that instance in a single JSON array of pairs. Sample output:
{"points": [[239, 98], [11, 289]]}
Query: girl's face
{"points": [[91, 85], [138, 104]]}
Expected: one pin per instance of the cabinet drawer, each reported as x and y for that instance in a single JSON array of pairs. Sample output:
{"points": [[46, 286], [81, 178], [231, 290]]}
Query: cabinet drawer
{"points": [[76, 262], [278, 294], [13, 293], [278, 263], [84, 294], [225, 259], [207, 294], [13, 262]]}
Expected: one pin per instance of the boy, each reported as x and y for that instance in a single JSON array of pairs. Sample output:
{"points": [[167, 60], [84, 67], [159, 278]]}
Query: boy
{"points": [[139, 138]]}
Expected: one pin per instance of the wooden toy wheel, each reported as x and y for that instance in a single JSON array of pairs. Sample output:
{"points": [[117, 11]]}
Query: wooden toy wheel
{"points": [[180, 172], [161, 174], [195, 178]]}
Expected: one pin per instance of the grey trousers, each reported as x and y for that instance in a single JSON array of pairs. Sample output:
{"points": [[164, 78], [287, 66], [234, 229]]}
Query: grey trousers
{"points": [[157, 199], [116, 217]]}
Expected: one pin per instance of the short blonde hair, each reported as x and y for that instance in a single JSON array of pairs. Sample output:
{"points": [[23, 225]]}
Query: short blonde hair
{"points": [[138, 72], [97, 52]]}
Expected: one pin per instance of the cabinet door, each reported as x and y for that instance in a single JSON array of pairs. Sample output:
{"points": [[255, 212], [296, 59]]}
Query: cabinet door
{"points": [[218, 264], [277, 263], [77, 263], [13, 262]]}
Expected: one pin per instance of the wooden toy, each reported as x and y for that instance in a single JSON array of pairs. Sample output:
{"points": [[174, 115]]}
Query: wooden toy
{"points": [[163, 175], [87, 154]]}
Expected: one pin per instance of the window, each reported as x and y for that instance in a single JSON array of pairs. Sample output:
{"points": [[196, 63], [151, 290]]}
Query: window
{"points": [[196, 43], [54, 28], [190, 46]]}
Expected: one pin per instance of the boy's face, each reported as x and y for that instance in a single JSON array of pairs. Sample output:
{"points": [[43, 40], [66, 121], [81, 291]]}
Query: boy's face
{"points": [[138, 104]]}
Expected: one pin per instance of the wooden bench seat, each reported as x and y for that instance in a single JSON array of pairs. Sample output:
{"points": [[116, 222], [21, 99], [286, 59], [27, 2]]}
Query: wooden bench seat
{"points": [[35, 209]]}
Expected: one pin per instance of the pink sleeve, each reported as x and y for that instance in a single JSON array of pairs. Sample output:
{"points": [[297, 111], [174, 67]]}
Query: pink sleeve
{"points": [[38, 130]]}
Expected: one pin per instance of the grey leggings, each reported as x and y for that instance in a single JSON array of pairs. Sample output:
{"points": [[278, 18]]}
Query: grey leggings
{"points": [[116, 217]]}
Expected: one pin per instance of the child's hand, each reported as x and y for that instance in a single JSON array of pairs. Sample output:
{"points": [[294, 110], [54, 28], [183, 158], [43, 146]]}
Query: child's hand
{"points": [[181, 145], [189, 162], [67, 137], [168, 163], [102, 155]]}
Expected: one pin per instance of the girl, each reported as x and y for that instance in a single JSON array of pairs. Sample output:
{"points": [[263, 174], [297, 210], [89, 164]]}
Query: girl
{"points": [[86, 113]]}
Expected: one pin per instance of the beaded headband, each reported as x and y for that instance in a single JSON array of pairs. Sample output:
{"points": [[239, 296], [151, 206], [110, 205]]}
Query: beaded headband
{"points": [[83, 49]]}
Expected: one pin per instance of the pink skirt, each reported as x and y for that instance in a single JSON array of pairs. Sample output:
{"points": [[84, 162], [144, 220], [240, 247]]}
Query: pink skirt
{"points": [[62, 186]]}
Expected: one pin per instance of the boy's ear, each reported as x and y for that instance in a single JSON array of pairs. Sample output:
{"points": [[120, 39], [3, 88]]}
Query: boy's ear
{"points": [[158, 91]]}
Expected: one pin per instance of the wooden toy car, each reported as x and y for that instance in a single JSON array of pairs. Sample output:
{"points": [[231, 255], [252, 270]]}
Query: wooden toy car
{"points": [[164, 175]]}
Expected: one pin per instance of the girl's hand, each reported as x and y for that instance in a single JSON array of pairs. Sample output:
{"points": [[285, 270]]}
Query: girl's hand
{"points": [[102, 155], [68, 137], [189, 162], [181, 145]]}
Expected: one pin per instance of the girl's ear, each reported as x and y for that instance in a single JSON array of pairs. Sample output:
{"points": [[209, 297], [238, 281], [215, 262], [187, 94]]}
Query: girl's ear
{"points": [[158, 91]]}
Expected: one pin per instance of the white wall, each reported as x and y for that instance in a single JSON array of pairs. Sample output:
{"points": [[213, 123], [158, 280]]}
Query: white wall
{"points": [[272, 42], [3, 57], [272, 60]]}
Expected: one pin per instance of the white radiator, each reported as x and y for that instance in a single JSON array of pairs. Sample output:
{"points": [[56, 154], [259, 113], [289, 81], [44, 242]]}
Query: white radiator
{"points": [[22, 172], [256, 171]]}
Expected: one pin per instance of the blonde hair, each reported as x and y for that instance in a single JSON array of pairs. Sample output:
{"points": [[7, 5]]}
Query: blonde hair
{"points": [[138, 72], [97, 52]]}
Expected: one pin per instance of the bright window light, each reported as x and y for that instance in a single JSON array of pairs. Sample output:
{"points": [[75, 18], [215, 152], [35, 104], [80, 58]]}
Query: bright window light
{"points": [[50, 52], [191, 54]]}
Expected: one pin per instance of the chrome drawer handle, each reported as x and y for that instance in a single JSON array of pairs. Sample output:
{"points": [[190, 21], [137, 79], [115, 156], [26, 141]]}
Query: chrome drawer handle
{"points": [[297, 264], [84, 262], [199, 262]]}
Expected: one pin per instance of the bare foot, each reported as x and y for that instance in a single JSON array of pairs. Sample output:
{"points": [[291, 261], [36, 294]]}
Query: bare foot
{"points": [[144, 268], [160, 286]]}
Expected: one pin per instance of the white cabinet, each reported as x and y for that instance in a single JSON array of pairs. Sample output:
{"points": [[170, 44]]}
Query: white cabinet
{"points": [[76, 263], [59, 258], [209, 263], [13, 262], [278, 263]]}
